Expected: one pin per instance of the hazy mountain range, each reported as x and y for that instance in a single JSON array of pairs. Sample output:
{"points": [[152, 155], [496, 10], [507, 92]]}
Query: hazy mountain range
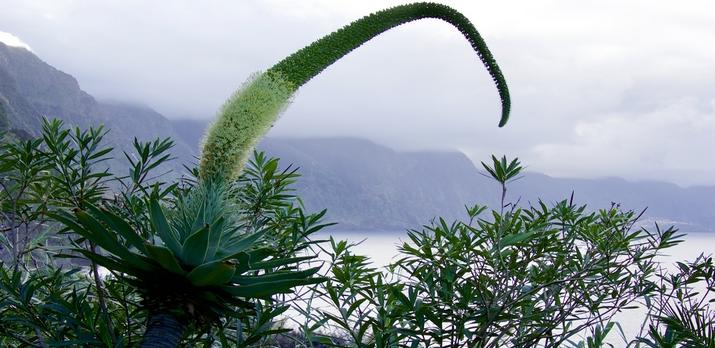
{"points": [[31, 89], [363, 185]]}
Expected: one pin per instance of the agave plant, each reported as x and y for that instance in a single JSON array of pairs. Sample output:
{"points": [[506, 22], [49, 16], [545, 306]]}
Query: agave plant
{"points": [[197, 264]]}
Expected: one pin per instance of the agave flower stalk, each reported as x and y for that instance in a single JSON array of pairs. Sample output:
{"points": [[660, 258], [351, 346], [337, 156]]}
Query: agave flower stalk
{"points": [[253, 109]]}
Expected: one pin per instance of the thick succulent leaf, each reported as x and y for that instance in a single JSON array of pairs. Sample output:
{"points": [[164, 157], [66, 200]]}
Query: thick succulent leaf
{"points": [[89, 228], [158, 220], [263, 290], [244, 260], [98, 234], [273, 277], [216, 234], [242, 244], [164, 257], [212, 274], [281, 262], [259, 254], [69, 222], [194, 249], [86, 226], [134, 267], [106, 262], [120, 226], [200, 219]]}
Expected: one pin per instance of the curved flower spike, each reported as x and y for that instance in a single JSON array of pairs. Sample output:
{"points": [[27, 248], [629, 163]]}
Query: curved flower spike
{"points": [[253, 109]]}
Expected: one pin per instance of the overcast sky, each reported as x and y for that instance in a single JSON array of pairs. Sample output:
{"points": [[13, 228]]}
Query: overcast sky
{"points": [[599, 88]]}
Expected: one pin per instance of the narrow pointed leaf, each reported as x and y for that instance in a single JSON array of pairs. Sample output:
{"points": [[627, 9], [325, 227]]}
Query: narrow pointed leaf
{"points": [[194, 249], [243, 243], [120, 226], [107, 262], [99, 235], [212, 274], [164, 257], [215, 238], [264, 290], [276, 263], [272, 277], [158, 220]]}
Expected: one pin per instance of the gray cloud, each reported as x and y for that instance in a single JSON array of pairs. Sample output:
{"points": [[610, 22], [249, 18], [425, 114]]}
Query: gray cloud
{"points": [[600, 88]]}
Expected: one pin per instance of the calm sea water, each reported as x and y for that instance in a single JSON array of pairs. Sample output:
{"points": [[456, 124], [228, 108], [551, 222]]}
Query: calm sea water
{"points": [[382, 247]]}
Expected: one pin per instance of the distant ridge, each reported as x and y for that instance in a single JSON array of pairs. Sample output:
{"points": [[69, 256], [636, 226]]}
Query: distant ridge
{"points": [[31, 89], [366, 186]]}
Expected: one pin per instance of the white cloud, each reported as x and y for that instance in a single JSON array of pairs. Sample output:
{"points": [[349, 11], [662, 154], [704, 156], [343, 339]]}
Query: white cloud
{"points": [[12, 40], [673, 143]]}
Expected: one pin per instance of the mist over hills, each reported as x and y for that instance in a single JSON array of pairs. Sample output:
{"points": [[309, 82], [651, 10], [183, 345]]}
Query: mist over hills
{"points": [[31, 89], [368, 186], [364, 186]]}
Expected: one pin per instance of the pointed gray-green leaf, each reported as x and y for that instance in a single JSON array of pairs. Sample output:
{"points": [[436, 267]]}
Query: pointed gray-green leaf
{"points": [[158, 220], [280, 262], [264, 290], [273, 277], [99, 235], [133, 265], [107, 262], [212, 274], [120, 226], [164, 257], [241, 244], [194, 249], [215, 238]]}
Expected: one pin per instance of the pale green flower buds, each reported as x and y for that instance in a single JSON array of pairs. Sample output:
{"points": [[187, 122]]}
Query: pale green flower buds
{"points": [[251, 111]]}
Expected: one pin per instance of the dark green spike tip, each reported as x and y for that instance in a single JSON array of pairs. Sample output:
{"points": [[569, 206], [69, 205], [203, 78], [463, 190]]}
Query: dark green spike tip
{"points": [[308, 62]]}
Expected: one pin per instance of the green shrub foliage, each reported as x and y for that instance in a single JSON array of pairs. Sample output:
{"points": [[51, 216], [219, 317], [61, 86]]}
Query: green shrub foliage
{"points": [[525, 277], [204, 255], [541, 275], [253, 109]]}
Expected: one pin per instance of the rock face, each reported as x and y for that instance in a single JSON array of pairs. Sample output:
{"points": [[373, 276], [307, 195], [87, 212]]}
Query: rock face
{"points": [[31, 89]]}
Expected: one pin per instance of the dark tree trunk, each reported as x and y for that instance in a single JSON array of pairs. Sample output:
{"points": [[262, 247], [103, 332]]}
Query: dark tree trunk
{"points": [[162, 331]]}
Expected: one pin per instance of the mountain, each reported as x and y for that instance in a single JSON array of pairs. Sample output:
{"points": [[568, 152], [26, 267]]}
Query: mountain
{"points": [[367, 186], [31, 89], [363, 185]]}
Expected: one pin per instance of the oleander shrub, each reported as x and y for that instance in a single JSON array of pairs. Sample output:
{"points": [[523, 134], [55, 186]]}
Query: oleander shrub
{"points": [[542, 275]]}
